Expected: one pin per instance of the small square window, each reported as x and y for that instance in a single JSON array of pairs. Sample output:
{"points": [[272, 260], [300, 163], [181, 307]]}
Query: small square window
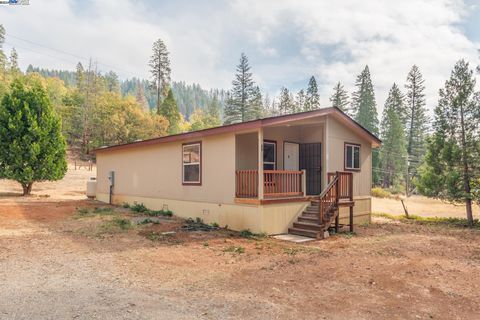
{"points": [[352, 156]]}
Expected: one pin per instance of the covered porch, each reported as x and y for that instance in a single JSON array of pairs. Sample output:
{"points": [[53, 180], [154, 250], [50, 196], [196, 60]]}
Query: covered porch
{"points": [[282, 162]]}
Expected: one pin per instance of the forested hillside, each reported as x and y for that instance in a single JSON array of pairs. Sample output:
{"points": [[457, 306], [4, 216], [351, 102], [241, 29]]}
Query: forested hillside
{"points": [[188, 96]]}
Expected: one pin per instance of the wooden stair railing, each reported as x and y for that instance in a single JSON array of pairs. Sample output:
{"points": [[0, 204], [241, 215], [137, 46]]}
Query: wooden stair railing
{"points": [[318, 217]]}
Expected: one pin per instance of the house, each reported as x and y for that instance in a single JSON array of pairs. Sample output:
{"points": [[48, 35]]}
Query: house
{"points": [[298, 173]]}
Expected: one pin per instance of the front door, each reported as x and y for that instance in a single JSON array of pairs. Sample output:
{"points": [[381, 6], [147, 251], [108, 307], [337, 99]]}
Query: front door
{"points": [[291, 156], [311, 161]]}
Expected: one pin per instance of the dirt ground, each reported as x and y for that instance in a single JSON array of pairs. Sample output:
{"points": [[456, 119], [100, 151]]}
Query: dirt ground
{"points": [[60, 258], [422, 206]]}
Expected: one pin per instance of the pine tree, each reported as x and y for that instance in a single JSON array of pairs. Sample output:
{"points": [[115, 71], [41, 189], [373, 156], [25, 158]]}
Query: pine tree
{"points": [[14, 61], [238, 106], [256, 105], [169, 110], [80, 77], [160, 70], [312, 98], [32, 147], [393, 153], [339, 98], [3, 57], [286, 104], [111, 81], [416, 121], [452, 168], [300, 101], [364, 109]]}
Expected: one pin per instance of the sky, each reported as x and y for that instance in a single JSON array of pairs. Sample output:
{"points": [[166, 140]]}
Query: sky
{"points": [[286, 41]]}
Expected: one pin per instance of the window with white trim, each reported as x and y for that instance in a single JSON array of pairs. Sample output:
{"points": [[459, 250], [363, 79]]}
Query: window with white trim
{"points": [[192, 166], [352, 156], [269, 155]]}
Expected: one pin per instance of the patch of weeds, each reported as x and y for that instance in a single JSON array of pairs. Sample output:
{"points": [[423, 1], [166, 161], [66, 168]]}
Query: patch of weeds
{"points": [[206, 244], [82, 211], [117, 224], [168, 237], [141, 208], [148, 221], [126, 205], [138, 207], [103, 210], [234, 249], [250, 235], [215, 225], [165, 213], [347, 235], [292, 251], [197, 225], [432, 221]]}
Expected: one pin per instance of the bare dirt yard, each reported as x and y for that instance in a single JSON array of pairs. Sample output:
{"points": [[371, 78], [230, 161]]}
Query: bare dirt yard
{"points": [[79, 259]]}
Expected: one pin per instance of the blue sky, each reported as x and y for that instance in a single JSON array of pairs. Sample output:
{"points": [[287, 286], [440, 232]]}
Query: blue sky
{"points": [[286, 41]]}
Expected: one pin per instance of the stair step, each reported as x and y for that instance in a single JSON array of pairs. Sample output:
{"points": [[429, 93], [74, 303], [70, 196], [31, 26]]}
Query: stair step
{"points": [[309, 214], [311, 209], [308, 219], [308, 226], [306, 233]]}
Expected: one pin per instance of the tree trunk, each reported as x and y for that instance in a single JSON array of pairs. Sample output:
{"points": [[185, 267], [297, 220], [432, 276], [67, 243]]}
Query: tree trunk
{"points": [[469, 212], [466, 175], [27, 188]]}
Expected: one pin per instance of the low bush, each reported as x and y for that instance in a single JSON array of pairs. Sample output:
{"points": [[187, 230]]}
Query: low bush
{"points": [[138, 207], [165, 213], [378, 192]]}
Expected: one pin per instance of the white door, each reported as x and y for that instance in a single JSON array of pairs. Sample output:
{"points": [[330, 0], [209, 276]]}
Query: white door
{"points": [[291, 156]]}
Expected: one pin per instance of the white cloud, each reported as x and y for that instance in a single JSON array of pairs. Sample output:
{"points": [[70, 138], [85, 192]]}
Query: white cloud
{"points": [[286, 40]]}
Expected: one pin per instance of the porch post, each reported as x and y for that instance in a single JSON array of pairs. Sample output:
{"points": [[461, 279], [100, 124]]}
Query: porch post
{"points": [[304, 182], [260, 164]]}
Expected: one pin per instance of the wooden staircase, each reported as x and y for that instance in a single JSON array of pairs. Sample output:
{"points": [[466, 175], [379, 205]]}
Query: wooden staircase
{"points": [[317, 218]]}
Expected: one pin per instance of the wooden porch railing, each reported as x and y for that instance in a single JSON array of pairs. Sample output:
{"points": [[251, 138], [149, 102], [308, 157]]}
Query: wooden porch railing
{"points": [[282, 183], [277, 183]]}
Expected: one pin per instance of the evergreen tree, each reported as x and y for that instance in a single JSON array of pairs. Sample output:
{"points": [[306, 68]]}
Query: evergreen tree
{"points": [[14, 62], [393, 153], [339, 98], [140, 97], [169, 110], [80, 77], [111, 81], [312, 98], [32, 147], [286, 104], [300, 101], [416, 121], [238, 106], [452, 167], [364, 110], [3, 57], [160, 70], [256, 105]]}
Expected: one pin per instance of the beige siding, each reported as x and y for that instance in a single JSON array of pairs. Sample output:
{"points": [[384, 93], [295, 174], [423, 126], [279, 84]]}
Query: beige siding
{"points": [[338, 134], [247, 151], [156, 171]]}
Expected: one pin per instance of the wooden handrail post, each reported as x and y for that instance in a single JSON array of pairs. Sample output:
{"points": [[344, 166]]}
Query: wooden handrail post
{"points": [[304, 182], [261, 177]]}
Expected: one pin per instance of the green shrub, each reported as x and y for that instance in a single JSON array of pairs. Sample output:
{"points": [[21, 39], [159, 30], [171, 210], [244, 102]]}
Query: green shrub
{"points": [[138, 207], [380, 193], [126, 205], [250, 235], [148, 220], [123, 224]]}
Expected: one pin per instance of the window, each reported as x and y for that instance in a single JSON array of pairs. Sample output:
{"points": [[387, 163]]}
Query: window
{"points": [[192, 163], [352, 156], [269, 155]]}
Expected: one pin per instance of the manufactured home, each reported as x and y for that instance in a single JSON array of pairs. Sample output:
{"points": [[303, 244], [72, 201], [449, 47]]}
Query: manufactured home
{"points": [[299, 173]]}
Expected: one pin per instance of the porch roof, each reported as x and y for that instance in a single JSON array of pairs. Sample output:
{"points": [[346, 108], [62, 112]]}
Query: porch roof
{"points": [[254, 124]]}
